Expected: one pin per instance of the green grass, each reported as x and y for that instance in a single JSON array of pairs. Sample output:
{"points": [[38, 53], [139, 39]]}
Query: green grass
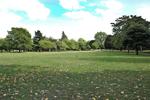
{"points": [[74, 76]]}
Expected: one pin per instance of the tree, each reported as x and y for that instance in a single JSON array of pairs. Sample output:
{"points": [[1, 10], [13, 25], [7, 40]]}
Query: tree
{"points": [[46, 45], [100, 39], [137, 36], [117, 41], [38, 36], [119, 31], [68, 43], [132, 31], [61, 45], [19, 38], [95, 45], [82, 44], [2, 44], [108, 42], [71, 44], [90, 44], [64, 36], [74, 45]]}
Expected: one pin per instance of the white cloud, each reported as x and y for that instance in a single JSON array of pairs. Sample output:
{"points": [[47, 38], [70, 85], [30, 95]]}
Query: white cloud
{"points": [[9, 18], [112, 4], [143, 11], [71, 4], [33, 8], [79, 15], [113, 9]]}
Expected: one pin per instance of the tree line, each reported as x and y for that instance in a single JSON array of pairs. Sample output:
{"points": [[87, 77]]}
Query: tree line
{"points": [[19, 40], [129, 33]]}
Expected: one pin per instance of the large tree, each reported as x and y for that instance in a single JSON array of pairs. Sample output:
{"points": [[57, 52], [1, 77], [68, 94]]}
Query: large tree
{"points": [[100, 39], [119, 31], [137, 36], [131, 32], [19, 38], [108, 42]]}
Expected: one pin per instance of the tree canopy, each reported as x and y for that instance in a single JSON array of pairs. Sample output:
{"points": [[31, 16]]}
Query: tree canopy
{"points": [[19, 38], [46, 45], [82, 44], [100, 38], [131, 32], [38, 36]]}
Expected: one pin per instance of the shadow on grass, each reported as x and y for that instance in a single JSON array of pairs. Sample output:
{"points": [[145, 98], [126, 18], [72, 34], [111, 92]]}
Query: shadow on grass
{"points": [[108, 84], [119, 59]]}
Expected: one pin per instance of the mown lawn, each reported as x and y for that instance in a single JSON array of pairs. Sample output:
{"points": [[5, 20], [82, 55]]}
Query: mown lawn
{"points": [[74, 76]]}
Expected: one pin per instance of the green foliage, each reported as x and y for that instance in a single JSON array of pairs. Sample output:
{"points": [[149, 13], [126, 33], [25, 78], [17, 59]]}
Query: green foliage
{"points": [[38, 36], [61, 45], [137, 35], [95, 45], [100, 39], [71, 44], [119, 30], [109, 42], [117, 41], [2, 44], [67, 43], [74, 45], [19, 38], [88, 46], [131, 32], [82, 44], [46, 45]]}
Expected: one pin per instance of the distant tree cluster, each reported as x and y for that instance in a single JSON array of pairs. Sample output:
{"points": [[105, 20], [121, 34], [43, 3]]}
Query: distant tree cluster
{"points": [[19, 40], [129, 33]]}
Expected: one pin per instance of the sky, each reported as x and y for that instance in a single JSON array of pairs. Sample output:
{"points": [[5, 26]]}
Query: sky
{"points": [[77, 18]]}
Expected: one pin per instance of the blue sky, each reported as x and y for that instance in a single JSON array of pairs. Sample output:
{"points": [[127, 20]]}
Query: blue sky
{"points": [[78, 18]]}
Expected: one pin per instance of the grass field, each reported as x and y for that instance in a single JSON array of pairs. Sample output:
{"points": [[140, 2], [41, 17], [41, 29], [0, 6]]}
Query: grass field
{"points": [[74, 76]]}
